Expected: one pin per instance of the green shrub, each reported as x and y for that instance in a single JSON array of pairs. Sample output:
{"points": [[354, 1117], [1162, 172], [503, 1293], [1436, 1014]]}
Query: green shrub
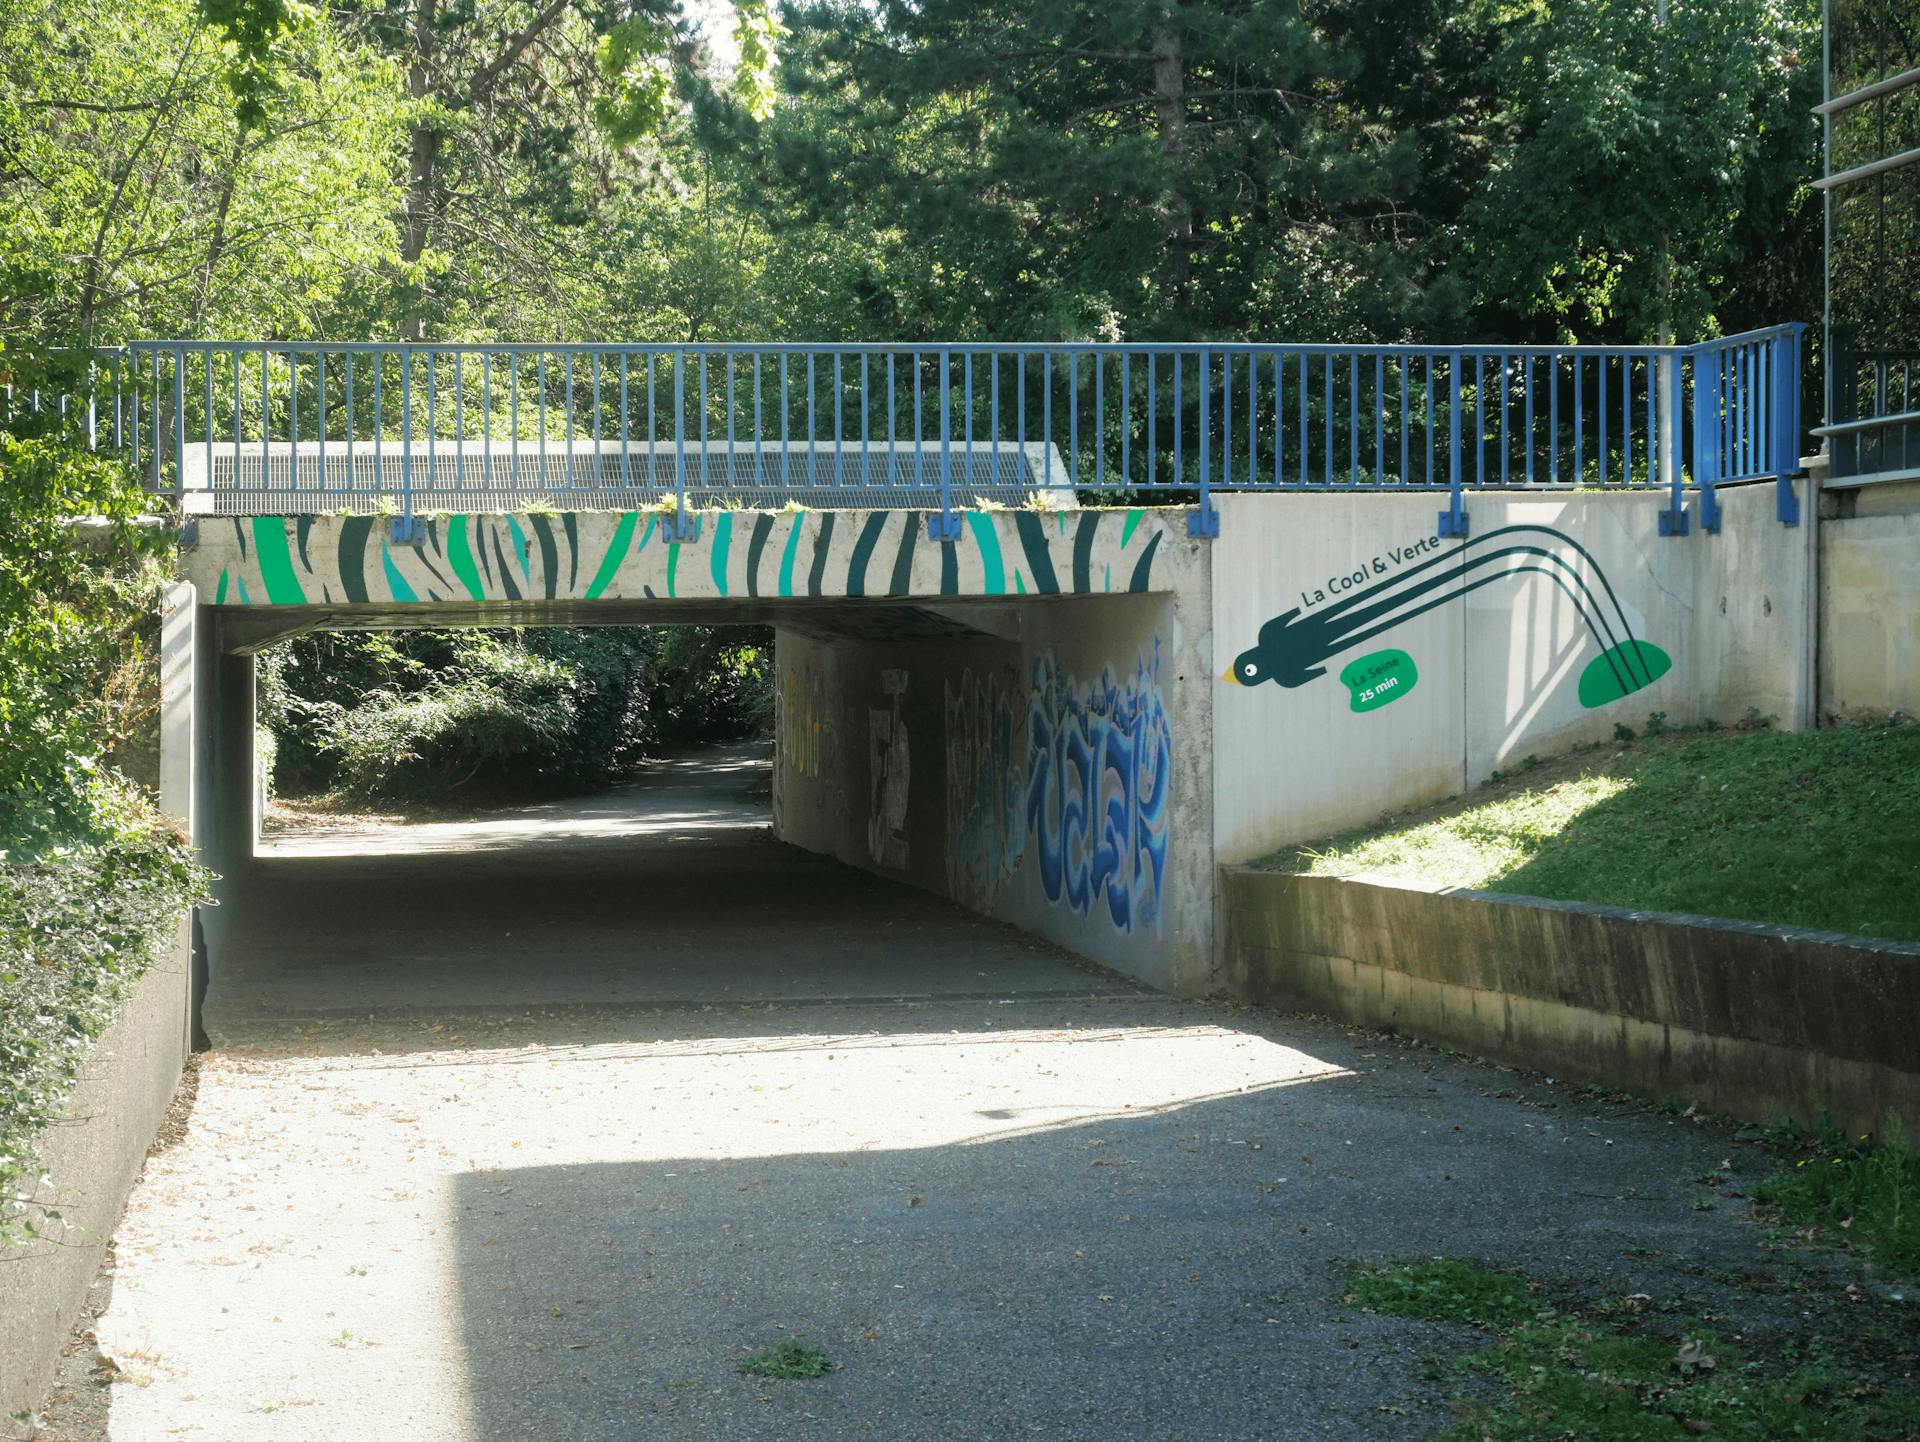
{"points": [[78, 928], [73, 632], [415, 714], [92, 882], [500, 707], [717, 683]]}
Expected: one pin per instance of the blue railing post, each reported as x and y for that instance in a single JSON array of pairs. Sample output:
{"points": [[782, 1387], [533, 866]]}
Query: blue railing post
{"points": [[1453, 520], [1785, 411], [946, 525], [684, 527], [1706, 430], [1673, 520], [1203, 523], [403, 524], [1710, 460]]}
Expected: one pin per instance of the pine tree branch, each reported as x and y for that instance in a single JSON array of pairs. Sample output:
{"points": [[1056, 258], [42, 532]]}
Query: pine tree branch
{"points": [[1128, 102]]}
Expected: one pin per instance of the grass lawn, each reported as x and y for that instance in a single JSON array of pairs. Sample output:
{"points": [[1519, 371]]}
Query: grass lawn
{"points": [[1819, 829], [1628, 1369]]}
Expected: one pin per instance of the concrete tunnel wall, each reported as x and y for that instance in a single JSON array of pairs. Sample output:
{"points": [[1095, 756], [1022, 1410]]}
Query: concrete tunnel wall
{"points": [[1056, 776], [1588, 619], [1032, 721], [209, 781]]}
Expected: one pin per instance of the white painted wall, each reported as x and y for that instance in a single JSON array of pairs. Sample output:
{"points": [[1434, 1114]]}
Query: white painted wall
{"points": [[1870, 605], [1499, 668]]}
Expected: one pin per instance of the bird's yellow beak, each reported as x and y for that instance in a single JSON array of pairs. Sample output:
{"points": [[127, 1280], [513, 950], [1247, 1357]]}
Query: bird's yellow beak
{"points": [[1229, 676]]}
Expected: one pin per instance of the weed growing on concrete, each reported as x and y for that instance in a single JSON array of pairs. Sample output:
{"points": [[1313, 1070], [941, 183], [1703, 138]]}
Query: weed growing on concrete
{"points": [[1568, 1377], [1443, 1289], [1615, 1375], [788, 1361], [1862, 1193]]}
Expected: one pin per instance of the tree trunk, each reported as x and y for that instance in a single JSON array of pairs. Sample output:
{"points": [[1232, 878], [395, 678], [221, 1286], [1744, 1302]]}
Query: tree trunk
{"points": [[216, 247], [1170, 111], [423, 151]]}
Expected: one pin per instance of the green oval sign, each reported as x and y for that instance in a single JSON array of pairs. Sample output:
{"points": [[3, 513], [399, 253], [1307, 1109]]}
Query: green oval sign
{"points": [[1379, 679]]}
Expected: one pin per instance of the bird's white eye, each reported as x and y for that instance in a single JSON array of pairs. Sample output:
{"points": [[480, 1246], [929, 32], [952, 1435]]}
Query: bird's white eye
{"points": [[1248, 669]]}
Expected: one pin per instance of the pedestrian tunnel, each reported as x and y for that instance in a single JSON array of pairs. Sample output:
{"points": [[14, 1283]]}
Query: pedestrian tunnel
{"points": [[993, 719], [1027, 711]]}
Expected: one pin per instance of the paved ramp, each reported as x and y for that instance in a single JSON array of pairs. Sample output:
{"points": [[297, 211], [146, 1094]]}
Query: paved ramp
{"points": [[669, 891], [513, 1141]]}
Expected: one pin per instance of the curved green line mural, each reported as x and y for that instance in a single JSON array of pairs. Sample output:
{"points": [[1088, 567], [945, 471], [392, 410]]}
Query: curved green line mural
{"points": [[1293, 648], [593, 555]]}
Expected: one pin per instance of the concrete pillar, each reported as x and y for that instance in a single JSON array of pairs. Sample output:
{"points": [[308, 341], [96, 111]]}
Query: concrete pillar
{"points": [[179, 751], [181, 625], [226, 801]]}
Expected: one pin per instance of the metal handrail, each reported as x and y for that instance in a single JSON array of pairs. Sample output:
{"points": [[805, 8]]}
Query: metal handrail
{"points": [[1844, 428], [316, 425], [1873, 91]]}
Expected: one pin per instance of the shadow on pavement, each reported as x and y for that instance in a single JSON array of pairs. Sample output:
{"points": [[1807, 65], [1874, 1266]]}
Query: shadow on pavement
{"points": [[669, 893], [1172, 1273]]}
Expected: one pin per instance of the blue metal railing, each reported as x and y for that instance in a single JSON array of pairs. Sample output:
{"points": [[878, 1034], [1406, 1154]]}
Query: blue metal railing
{"points": [[262, 426]]}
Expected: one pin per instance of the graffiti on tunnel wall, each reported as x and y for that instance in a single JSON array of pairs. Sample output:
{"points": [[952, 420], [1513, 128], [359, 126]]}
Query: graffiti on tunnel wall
{"points": [[805, 722], [890, 772], [985, 830], [1099, 768]]}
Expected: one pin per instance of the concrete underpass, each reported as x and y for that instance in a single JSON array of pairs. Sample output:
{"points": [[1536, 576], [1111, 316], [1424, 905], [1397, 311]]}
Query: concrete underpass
{"points": [[534, 1124], [892, 1037]]}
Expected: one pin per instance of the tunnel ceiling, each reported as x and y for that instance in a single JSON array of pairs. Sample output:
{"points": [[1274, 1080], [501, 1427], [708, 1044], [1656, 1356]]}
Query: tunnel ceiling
{"points": [[869, 620]]}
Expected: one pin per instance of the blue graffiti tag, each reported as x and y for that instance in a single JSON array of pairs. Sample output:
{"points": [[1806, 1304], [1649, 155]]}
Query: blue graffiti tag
{"points": [[1098, 768]]}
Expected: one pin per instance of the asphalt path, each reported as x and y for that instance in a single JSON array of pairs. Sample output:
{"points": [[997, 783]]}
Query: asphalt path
{"points": [[534, 1125]]}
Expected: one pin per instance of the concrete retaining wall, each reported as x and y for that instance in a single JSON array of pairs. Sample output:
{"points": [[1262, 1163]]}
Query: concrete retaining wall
{"points": [[1761, 1022], [1487, 650], [93, 1156], [127, 1082], [1870, 604]]}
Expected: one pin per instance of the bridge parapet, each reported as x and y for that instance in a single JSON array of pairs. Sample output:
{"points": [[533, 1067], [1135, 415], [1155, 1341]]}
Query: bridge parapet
{"points": [[253, 428], [488, 559]]}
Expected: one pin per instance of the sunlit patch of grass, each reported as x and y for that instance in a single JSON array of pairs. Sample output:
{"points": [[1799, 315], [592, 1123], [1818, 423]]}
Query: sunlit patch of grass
{"points": [[1474, 848], [1817, 829]]}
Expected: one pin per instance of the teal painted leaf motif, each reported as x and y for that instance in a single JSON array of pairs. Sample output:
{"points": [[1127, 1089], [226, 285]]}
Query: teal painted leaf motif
{"points": [[1620, 671]]}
